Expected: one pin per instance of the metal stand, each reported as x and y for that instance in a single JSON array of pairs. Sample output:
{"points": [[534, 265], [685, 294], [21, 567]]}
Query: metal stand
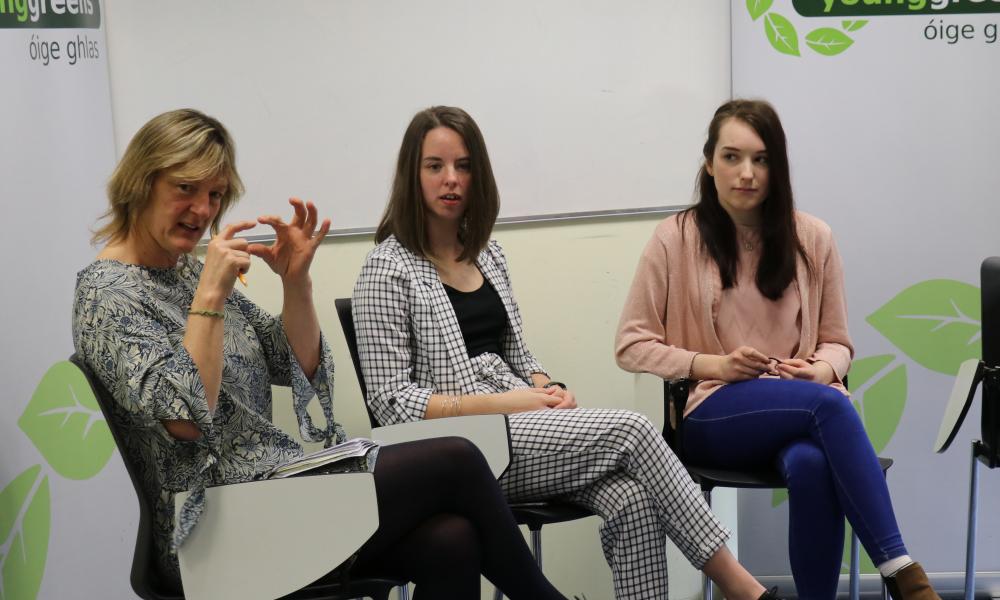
{"points": [[970, 539], [854, 588]]}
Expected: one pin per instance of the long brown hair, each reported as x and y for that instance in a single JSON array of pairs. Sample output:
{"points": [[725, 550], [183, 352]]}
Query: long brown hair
{"points": [[780, 244], [405, 216]]}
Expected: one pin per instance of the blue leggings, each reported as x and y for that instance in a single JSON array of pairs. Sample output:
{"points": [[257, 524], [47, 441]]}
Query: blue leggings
{"points": [[813, 435]]}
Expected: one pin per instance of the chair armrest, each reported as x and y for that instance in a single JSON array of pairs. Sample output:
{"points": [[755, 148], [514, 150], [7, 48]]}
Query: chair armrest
{"points": [[490, 433], [265, 539], [675, 397]]}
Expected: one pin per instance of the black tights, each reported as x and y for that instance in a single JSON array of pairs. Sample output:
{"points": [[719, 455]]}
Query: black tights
{"points": [[442, 521]]}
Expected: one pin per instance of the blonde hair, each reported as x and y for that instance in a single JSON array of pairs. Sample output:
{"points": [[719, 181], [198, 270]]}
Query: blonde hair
{"points": [[189, 142]]}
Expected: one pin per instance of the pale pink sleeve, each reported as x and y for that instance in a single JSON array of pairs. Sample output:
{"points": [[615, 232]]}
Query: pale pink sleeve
{"points": [[640, 346], [833, 343]]}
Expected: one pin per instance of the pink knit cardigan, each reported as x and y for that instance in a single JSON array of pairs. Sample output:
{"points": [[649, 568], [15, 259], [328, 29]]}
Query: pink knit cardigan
{"points": [[667, 317]]}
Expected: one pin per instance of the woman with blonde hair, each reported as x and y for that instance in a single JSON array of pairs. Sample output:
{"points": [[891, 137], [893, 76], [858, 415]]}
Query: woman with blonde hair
{"points": [[190, 363]]}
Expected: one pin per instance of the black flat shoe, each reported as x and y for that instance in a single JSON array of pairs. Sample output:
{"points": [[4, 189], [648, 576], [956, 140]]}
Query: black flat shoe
{"points": [[771, 594]]}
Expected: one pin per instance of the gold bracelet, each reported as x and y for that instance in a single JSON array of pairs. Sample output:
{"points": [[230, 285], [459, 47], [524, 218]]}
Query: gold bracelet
{"points": [[452, 406], [207, 313], [691, 367]]}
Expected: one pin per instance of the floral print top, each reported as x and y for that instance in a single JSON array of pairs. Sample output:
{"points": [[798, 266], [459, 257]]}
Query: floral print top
{"points": [[128, 325]]}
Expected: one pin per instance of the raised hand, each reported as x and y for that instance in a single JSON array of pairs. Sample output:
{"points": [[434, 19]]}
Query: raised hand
{"points": [[295, 242], [225, 258]]}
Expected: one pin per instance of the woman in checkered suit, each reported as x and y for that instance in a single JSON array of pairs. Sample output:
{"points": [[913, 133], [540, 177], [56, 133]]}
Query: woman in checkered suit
{"points": [[439, 334]]}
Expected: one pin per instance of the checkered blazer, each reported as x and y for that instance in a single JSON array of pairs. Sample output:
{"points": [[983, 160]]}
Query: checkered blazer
{"points": [[409, 339]]}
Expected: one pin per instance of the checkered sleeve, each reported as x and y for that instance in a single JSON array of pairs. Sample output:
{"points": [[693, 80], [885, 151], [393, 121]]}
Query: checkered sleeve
{"points": [[516, 352], [382, 304]]}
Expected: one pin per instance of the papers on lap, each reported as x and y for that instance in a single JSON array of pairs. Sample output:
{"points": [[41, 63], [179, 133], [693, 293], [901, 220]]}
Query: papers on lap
{"points": [[351, 453]]}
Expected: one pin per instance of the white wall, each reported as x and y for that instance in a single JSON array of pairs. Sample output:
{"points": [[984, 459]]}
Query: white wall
{"points": [[571, 300], [582, 103]]}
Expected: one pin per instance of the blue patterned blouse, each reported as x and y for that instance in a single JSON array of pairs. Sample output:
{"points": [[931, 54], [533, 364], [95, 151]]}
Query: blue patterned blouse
{"points": [[128, 324]]}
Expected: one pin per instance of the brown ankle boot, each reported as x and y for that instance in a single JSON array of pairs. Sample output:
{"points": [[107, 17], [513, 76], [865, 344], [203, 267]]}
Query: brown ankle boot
{"points": [[910, 583]]}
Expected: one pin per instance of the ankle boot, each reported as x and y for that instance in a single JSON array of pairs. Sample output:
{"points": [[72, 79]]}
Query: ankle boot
{"points": [[910, 583]]}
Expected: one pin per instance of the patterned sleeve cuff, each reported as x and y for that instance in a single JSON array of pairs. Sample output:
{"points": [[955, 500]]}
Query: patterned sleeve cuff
{"points": [[320, 387], [405, 404], [174, 390]]}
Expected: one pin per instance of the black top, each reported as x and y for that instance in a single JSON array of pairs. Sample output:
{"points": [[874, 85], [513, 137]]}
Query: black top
{"points": [[481, 316]]}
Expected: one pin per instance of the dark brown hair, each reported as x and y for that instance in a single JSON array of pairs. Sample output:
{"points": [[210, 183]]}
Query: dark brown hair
{"points": [[780, 245], [405, 216]]}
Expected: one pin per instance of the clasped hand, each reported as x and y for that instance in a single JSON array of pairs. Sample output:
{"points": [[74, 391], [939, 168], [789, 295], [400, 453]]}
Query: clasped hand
{"points": [[536, 398], [290, 256], [747, 362]]}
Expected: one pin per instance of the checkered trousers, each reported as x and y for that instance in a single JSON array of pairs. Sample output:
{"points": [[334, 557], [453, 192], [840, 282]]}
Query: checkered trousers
{"points": [[612, 461], [616, 463]]}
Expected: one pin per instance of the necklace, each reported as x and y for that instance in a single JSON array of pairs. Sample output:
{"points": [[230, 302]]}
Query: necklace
{"points": [[748, 245]]}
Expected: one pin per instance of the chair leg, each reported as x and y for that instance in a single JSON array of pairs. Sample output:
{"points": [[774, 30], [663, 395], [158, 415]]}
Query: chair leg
{"points": [[536, 546], [970, 540], [855, 576], [706, 583]]}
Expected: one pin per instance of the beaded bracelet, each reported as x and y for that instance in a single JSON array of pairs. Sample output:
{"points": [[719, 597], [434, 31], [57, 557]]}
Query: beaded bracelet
{"points": [[207, 313]]}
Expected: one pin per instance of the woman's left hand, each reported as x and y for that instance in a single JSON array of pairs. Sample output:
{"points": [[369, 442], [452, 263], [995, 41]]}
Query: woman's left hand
{"points": [[295, 243], [566, 397], [796, 368]]}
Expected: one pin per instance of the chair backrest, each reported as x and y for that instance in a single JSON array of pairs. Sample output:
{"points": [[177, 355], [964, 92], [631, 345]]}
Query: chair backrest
{"points": [[675, 397], [346, 315], [989, 280], [144, 578]]}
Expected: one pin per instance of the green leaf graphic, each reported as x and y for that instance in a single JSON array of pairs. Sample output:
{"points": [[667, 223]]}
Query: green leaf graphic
{"points": [[935, 322], [863, 369], [781, 33], [24, 532], [828, 41], [758, 7], [853, 25], [881, 402], [64, 422]]}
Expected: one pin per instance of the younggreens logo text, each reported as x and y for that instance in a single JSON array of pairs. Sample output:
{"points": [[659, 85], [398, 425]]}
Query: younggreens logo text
{"points": [[872, 8], [50, 14]]}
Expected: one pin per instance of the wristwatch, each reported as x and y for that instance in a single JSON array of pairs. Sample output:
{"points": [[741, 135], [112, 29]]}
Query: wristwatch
{"points": [[552, 383]]}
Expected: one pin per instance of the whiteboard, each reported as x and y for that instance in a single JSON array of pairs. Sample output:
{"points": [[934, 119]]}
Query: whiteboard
{"points": [[585, 105]]}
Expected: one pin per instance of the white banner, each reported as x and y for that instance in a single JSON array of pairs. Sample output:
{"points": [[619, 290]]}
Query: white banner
{"points": [[67, 511], [890, 112]]}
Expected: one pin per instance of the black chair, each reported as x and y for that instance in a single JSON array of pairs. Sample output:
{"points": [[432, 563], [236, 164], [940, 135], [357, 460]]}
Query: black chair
{"points": [[675, 397], [532, 514], [144, 577], [970, 375]]}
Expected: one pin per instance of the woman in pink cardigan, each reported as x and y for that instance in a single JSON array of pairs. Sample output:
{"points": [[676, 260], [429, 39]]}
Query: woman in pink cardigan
{"points": [[744, 295]]}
